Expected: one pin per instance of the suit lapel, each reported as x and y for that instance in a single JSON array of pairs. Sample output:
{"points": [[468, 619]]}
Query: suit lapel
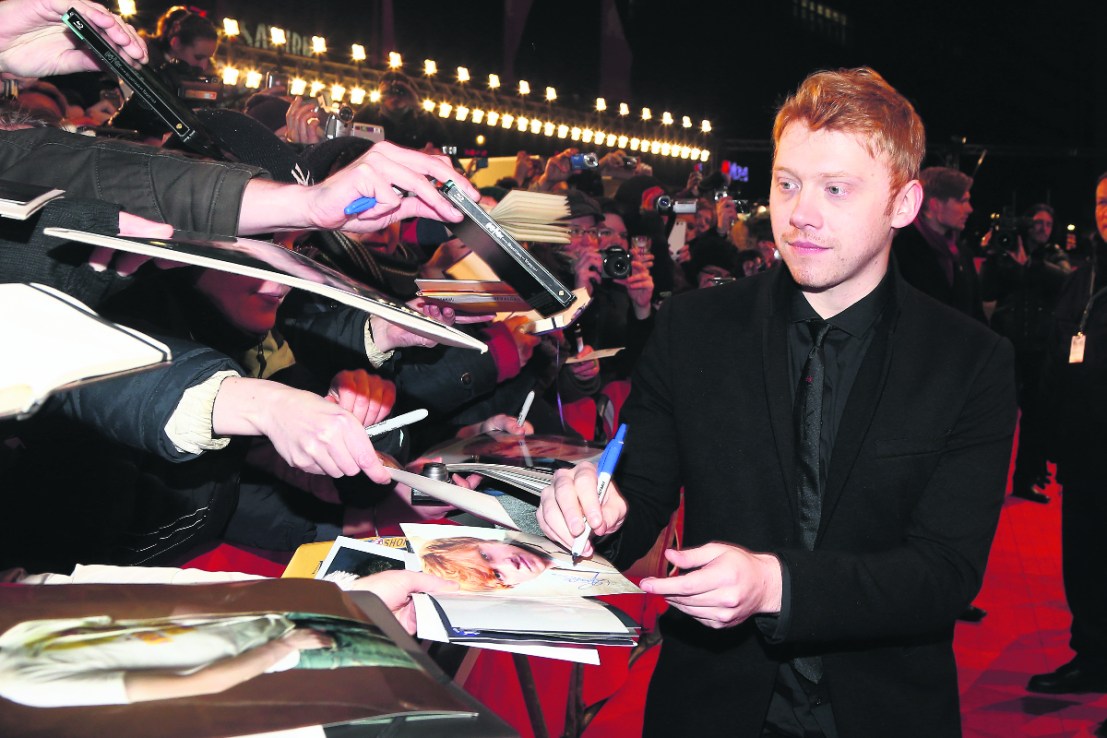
{"points": [[778, 390], [857, 416]]}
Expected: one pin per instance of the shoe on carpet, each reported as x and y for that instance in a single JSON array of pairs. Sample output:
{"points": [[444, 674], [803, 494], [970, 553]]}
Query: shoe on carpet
{"points": [[1029, 493], [972, 614], [1072, 678]]}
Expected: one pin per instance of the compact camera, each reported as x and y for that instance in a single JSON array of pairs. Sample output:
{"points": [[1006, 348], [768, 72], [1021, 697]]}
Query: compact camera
{"points": [[667, 205], [580, 162], [616, 262]]}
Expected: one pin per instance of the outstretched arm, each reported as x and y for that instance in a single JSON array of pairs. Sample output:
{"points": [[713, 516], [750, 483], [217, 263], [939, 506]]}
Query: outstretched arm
{"points": [[34, 43]]}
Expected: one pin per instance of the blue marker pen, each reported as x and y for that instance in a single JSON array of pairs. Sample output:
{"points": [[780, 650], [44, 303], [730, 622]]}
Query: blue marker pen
{"points": [[608, 461], [360, 205]]}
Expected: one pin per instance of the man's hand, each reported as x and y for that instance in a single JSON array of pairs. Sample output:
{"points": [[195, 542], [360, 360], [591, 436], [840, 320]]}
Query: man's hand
{"points": [[368, 397], [269, 206], [588, 269], [501, 423], [723, 585], [396, 587], [308, 432], [585, 370], [34, 43], [571, 499]]}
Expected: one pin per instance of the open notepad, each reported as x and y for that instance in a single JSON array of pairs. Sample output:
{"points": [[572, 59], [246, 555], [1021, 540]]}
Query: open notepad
{"points": [[52, 341]]}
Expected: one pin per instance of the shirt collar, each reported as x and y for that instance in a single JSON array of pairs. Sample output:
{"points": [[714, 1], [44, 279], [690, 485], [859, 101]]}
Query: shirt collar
{"points": [[855, 320]]}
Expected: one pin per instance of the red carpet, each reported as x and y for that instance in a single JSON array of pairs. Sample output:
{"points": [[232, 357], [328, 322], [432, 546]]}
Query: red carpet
{"points": [[1025, 633]]}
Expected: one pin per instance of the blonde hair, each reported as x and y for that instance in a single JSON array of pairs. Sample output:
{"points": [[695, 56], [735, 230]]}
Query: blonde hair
{"points": [[443, 558]]}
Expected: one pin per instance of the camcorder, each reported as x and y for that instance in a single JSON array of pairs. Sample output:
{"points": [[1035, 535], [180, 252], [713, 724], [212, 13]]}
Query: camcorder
{"points": [[735, 194], [194, 88], [1005, 228], [616, 262], [669, 206]]}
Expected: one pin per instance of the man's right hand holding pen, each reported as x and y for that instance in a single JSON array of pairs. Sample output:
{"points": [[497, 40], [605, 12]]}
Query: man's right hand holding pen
{"points": [[572, 499]]}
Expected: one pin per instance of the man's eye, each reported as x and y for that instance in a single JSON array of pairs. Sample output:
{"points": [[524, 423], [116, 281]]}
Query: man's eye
{"points": [[836, 189], [499, 576], [787, 185]]}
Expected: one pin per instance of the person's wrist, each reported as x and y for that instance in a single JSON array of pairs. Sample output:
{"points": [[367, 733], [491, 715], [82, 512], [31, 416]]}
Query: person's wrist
{"points": [[772, 583]]}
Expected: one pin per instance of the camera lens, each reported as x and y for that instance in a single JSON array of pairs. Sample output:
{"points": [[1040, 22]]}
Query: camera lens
{"points": [[616, 262]]}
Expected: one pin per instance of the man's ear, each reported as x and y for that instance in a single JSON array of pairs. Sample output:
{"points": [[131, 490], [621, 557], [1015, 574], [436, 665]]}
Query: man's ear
{"points": [[906, 204]]}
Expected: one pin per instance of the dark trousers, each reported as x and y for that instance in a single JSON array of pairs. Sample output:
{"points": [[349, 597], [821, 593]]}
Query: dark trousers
{"points": [[1030, 459], [1084, 565]]}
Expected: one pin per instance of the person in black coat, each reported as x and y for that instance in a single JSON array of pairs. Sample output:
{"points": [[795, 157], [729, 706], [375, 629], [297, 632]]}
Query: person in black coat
{"points": [[819, 603]]}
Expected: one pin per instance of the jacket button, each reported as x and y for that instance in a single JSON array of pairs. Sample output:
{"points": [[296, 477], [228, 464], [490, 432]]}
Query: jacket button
{"points": [[466, 379]]}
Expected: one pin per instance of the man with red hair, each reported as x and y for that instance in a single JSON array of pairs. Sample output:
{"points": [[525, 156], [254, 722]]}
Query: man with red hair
{"points": [[825, 561]]}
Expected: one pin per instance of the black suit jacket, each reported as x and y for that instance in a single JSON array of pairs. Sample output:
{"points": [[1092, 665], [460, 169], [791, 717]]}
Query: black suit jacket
{"points": [[919, 266], [912, 500]]}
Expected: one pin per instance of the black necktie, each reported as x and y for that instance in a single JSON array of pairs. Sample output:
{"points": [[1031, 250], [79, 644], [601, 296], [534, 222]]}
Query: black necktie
{"points": [[809, 425]]}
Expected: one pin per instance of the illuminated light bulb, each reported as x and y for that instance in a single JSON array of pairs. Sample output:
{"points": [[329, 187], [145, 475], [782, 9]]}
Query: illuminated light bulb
{"points": [[277, 37], [430, 68], [599, 137], [634, 143], [230, 76], [357, 52], [562, 131], [524, 87], [127, 8], [444, 109], [686, 122], [462, 113], [644, 146], [230, 25], [611, 139], [297, 87], [337, 92], [586, 135], [549, 129], [655, 147], [665, 149], [706, 127], [666, 118], [493, 117], [357, 96], [646, 114], [551, 94], [478, 116], [253, 79], [705, 155], [623, 142], [601, 104], [521, 123], [318, 45], [374, 96], [395, 61], [462, 74], [575, 134], [428, 105], [494, 81], [695, 153], [536, 126], [480, 139], [624, 109], [507, 119], [316, 86], [685, 152]]}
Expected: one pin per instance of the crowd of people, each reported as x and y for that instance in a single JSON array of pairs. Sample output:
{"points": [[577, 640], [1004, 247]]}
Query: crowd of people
{"points": [[841, 440]]}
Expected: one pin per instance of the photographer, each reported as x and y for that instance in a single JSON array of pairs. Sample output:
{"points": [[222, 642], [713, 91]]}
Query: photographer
{"points": [[403, 119], [1022, 276]]}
